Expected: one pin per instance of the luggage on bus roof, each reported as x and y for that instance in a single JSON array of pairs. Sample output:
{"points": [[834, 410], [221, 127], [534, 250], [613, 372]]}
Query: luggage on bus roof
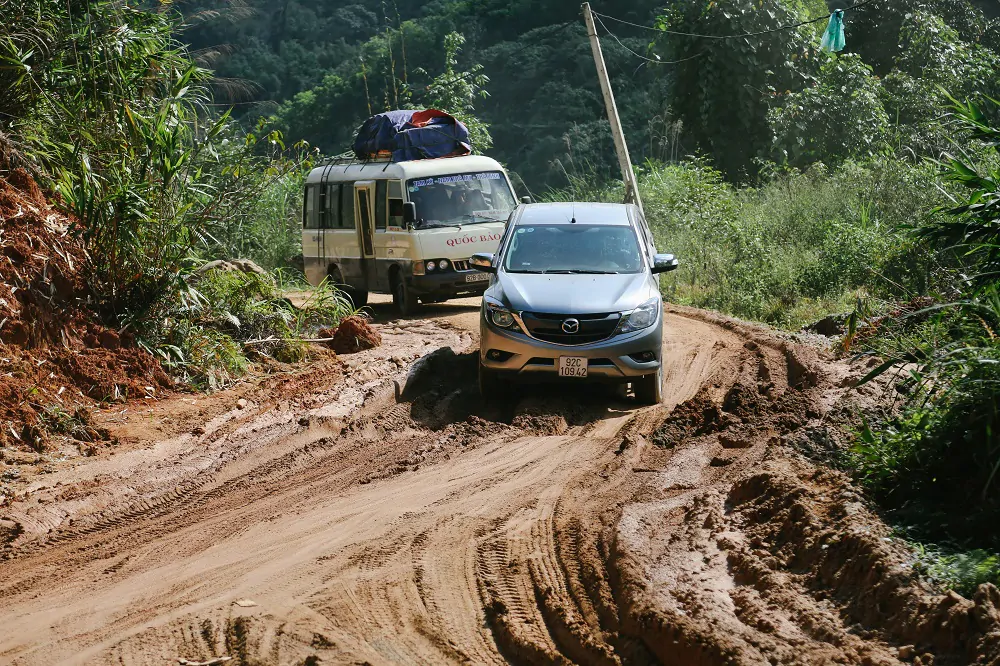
{"points": [[412, 135]]}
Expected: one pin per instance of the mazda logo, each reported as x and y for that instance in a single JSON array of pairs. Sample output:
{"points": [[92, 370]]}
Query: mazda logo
{"points": [[571, 326]]}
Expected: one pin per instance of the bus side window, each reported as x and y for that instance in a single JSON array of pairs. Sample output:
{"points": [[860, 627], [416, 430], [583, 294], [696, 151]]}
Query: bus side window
{"points": [[332, 215], [380, 204], [346, 198], [309, 214], [396, 204]]}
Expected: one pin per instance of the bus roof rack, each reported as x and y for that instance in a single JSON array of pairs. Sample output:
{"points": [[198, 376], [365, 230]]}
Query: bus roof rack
{"points": [[350, 159]]}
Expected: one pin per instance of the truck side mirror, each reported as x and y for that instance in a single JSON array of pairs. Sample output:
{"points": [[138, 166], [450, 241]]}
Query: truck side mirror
{"points": [[483, 261], [409, 214], [663, 263]]}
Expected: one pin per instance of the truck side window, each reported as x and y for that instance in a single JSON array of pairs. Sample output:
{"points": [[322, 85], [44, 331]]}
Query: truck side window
{"points": [[380, 204], [309, 213], [396, 204], [346, 201]]}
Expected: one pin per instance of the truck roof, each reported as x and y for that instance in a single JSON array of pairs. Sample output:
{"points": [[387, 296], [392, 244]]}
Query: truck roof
{"points": [[584, 212]]}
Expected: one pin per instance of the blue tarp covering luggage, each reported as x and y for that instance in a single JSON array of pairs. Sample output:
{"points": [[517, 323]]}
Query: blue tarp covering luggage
{"points": [[412, 135]]}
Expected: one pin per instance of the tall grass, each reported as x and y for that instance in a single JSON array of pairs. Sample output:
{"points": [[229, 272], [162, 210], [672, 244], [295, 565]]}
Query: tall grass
{"points": [[797, 247], [937, 464]]}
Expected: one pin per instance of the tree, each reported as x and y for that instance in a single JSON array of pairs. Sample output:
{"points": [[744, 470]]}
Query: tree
{"points": [[839, 117], [456, 92], [722, 88]]}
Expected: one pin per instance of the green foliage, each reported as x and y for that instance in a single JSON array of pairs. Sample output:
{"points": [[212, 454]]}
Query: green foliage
{"points": [[936, 464], [118, 113], [840, 117], [974, 226], [722, 88], [224, 320], [114, 115], [456, 92], [962, 571], [793, 249]]}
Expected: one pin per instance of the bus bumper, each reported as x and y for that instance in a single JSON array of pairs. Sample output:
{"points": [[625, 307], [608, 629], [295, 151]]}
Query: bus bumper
{"points": [[449, 284]]}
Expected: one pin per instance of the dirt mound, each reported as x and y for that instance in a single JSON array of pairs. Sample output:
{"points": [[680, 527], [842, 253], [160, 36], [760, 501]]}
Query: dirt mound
{"points": [[354, 334], [55, 354]]}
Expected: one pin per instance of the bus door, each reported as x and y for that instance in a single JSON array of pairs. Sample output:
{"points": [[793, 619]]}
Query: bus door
{"points": [[365, 215], [312, 253]]}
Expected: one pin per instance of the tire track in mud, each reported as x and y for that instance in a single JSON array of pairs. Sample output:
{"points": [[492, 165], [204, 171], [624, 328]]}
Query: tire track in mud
{"points": [[554, 528]]}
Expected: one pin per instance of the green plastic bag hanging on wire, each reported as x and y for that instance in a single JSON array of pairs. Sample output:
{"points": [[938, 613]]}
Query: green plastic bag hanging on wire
{"points": [[833, 38]]}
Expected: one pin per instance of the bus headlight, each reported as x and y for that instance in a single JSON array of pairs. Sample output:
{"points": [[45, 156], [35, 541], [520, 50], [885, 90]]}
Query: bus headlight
{"points": [[431, 266], [443, 265]]}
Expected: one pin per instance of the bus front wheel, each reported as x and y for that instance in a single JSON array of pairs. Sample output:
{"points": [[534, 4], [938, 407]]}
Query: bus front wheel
{"points": [[402, 297]]}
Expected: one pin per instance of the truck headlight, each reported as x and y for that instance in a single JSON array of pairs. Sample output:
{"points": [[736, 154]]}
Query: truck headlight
{"points": [[500, 316], [642, 317]]}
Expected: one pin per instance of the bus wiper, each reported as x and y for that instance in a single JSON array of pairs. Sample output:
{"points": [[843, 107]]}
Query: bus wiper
{"points": [[441, 226]]}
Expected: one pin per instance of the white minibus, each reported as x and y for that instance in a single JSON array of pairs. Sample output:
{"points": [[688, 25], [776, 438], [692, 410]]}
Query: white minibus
{"points": [[404, 228]]}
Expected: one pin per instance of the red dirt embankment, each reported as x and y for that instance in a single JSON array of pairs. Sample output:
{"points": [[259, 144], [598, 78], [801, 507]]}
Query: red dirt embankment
{"points": [[56, 358]]}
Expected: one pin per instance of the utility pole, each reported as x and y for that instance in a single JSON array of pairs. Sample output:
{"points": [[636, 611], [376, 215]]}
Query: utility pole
{"points": [[624, 160]]}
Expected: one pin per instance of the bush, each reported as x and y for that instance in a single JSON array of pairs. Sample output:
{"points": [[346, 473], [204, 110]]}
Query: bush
{"points": [[793, 249], [214, 328], [840, 117]]}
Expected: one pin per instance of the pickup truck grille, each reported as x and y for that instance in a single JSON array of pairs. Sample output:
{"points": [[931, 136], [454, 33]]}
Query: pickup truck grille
{"points": [[547, 327]]}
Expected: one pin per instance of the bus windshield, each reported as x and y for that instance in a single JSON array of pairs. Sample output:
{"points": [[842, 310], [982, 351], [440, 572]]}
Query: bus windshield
{"points": [[465, 198]]}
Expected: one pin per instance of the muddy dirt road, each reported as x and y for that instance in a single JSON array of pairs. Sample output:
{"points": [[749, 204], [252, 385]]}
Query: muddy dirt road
{"points": [[390, 517]]}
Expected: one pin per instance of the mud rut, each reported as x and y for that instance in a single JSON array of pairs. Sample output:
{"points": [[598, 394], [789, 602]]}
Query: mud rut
{"points": [[410, 523]]}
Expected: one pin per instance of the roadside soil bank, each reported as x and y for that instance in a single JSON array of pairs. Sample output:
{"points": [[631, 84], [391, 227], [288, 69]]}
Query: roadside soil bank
{"points": [[56, 359], [389, 516]]}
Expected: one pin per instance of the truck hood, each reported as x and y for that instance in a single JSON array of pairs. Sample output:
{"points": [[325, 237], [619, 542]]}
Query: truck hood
{"points": [[572, 294]]}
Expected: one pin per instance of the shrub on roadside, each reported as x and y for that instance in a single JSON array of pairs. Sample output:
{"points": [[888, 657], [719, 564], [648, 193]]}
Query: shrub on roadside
{"points": [[793, 249], [213, 330]]}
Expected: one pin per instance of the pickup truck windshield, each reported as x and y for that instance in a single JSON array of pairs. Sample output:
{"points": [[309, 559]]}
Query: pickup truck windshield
{"points": [[466, 198], [573, 248]]}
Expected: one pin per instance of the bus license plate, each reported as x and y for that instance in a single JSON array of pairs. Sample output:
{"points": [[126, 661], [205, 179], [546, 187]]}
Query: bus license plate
{"points": [[572, 366], [477, 277]]}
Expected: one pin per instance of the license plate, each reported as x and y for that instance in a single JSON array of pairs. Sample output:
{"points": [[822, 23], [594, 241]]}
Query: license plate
{"points": [[572, 366], [477, 277]]}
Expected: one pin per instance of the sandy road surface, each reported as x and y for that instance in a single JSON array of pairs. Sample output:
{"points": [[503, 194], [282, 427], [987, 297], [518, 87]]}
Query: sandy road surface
{"points": [[396, 519]]}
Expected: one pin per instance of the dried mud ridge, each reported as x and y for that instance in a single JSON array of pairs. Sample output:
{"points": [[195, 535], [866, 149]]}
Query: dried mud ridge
{"points": [[557, 527]]}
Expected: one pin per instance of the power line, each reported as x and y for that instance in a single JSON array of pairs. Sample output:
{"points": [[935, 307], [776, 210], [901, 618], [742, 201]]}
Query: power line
{"points": [[737, 36], [655, 61]]}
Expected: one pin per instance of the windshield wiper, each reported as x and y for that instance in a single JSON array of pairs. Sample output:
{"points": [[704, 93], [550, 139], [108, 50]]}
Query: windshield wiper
{"points": [[480, 219], [446, 225], [569, 271]]}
